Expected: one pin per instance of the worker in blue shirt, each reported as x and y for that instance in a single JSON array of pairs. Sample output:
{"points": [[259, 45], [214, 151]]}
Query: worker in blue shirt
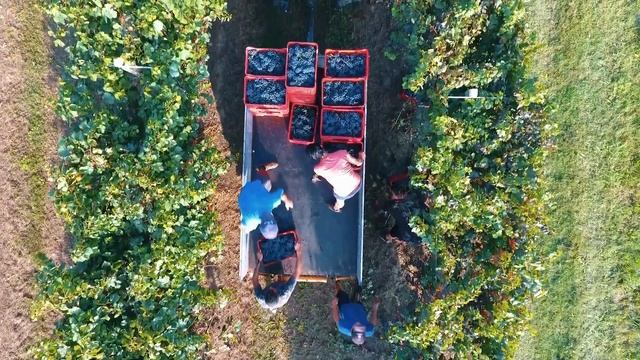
{"points": [[257, 201], [351, 317]]}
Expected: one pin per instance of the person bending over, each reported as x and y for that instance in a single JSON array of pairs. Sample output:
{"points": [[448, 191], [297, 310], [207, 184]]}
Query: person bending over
{"points": [[341, 169], [351, 317], [406, 202], [257, 201], [276, 294]]}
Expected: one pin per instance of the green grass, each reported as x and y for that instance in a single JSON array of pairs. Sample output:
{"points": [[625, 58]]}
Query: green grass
{"points": [[589, 63], [34, 100], [270, 328]]}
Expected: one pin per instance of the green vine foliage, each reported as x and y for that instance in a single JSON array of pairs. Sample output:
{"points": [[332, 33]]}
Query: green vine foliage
{"points": [[134, 180], [478, 164]]}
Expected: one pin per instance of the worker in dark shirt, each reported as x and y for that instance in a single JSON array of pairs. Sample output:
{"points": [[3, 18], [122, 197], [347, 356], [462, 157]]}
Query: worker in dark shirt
{"points": [[406, 202], [404, 206], [351, 317], [257, 201], [276, 294]]}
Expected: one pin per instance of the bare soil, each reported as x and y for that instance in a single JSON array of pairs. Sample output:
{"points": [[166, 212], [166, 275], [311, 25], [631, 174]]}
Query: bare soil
{"points": [[304, 329], [24, 230]]}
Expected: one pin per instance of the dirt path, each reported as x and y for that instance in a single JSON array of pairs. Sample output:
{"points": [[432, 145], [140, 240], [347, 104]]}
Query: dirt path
{"points": [[28, 139], [303, 329]]}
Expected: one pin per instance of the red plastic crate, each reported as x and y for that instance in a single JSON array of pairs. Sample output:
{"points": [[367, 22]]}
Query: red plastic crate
{"points": [[343, 139], [269, 113], [295, 237], [246, 59], [299, 94], [261, 109], [364, 90], [315, 125], [330, 52]]}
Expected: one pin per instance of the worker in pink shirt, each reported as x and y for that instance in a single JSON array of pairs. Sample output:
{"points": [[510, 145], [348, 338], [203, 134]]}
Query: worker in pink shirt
{"points": [[341, 169]]}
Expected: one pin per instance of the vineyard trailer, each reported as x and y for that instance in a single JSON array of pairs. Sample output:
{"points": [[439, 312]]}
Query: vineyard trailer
{"points": [[332, 243]]}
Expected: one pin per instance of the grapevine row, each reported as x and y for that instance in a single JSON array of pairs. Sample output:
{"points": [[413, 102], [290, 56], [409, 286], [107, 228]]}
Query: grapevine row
{"points": [[134, 180], [477, 163]]}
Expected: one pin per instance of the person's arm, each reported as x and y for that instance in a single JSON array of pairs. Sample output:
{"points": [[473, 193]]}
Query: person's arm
{"points": [[287, 202], [316, 173], [290, 285], [356, 161], [288, 288], [373, 318], [267, 185], [278, 196], [335, 312]]}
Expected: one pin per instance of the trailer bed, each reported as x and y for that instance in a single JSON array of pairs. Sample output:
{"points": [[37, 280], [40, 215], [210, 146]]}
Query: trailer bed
{"points": [[331, 242]]}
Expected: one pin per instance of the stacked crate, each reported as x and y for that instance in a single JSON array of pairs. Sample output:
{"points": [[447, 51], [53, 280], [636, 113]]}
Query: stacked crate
{"points": [[265, 82], [344, 96], [302, 72], [283, 82], [302, 79], [305, 116]]}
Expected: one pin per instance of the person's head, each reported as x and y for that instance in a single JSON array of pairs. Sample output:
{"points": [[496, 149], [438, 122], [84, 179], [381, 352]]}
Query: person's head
{"points": [[354, 151], [270, 296], [315, 151], [268, 226], [358, 333]]}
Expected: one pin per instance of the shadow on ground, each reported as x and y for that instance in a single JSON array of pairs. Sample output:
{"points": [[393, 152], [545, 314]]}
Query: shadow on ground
{"points": [[254, 23], [304, 329]]}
